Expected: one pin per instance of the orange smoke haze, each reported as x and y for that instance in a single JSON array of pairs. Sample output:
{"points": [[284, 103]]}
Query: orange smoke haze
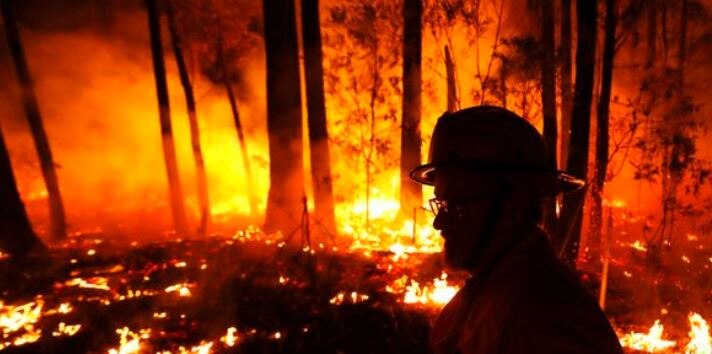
{"points": [[97, 97], [98, 101]]}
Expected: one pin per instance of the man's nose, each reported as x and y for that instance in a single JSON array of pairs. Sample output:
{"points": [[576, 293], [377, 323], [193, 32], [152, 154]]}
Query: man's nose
{"points": [[438, 221]]}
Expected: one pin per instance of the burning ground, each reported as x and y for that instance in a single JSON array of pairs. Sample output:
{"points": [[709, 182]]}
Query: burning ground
{"points": [[257, 293]]}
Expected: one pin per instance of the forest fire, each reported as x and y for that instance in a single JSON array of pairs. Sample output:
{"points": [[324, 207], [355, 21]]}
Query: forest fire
{"points": [[652, 342], [207, 177]]}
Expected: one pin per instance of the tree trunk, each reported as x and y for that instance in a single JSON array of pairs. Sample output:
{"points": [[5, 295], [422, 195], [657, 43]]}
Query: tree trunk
{"points": [[202, 185], [58, 224], [16, 235], [548, 99], [566, 94], [411, 193], [673, 169], [169, 153], [651, 33], [249, 180], [602, 122], [316, 118], [452, 104], [569, 226], [284, 117]]}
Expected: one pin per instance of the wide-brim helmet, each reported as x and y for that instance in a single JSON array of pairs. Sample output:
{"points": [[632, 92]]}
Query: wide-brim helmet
{"points": [[490, 139]]}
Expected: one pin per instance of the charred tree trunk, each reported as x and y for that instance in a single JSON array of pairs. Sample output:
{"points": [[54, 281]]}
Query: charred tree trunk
{"points": [[603, 113], [202, 186], [411, 193], [651, 33], [58, 224], [569, 226], [676, 159], [226, 79], [316, 118], [548, 99], [284, 117], [566, 92], [169, 152], [452, 104], [16, 235]]}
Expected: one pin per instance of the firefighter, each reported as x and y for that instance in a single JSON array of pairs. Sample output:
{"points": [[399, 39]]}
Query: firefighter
{"points": [[491, 173]]}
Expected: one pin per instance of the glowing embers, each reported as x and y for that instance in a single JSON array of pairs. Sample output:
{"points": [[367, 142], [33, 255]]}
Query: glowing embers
{"points": [[64, 329], [650, 342], [230, 338], [348, 297], [182, 289], [437, 294], [639, 246], [18, 323], [130, 342], [98, 283], [653, 342]]}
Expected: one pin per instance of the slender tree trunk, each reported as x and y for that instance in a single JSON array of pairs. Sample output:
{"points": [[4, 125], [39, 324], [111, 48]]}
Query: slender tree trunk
{"points": [[58, 224], [16, 235], [241, 141], [674, 168], [503, 73], [602, 122], [202, 184], [566, 92], [169, 153], [284, 117], [548, 99], [411, 193], [316, 118], [651, 33], [452, 104], [247, 166], [569, 227]]}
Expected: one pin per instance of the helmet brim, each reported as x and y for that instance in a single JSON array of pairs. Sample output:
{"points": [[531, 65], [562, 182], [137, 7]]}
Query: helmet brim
{"points": [[566, 183]]}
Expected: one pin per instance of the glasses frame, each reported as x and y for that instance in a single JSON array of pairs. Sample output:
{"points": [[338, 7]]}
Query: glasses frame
{"points": [[447, 206]]}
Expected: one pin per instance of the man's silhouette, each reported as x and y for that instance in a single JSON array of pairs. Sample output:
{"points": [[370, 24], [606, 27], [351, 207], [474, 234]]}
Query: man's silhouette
{"points": [[491, 174]]}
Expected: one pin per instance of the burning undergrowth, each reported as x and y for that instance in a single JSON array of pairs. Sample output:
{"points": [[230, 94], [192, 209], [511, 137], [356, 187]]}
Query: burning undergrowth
{"points": [[243, 294], [257, 293]]}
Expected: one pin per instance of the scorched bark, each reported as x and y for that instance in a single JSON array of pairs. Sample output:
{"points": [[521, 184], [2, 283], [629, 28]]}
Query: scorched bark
{"points": [[284, 117], [58, 224]]}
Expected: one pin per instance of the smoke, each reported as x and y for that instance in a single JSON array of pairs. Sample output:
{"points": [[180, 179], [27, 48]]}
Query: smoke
{"points": [[97, 97]]}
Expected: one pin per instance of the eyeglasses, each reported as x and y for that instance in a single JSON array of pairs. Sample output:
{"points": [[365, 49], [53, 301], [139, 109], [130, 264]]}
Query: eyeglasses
{"points": [[438, 205]]}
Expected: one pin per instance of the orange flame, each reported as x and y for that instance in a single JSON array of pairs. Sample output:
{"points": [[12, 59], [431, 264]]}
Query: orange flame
{"points": [[650, 342]]}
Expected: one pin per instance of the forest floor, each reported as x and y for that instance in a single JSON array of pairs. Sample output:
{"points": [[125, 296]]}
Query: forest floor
{"points": [[247, 294]]}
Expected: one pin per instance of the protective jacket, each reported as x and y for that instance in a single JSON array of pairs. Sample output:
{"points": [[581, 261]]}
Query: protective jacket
{"points": [[524, 301]]}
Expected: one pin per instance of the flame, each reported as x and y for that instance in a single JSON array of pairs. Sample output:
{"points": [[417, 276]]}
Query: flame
{"points": [[230, 338], [202, 348], [440, 293], [14, 318], [650, 342], [18, 323], [130, 342], [638, 246], [700, 341], [352, 297], [615, 203], [182, 289], [66, 330], [99, 283]]}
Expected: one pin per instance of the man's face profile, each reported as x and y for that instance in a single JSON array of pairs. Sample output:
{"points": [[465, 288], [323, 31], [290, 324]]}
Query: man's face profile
{"points": [[468, 197]]}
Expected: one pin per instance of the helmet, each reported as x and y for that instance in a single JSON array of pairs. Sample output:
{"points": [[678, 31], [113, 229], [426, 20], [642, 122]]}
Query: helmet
{"points": [[490, 139]]}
